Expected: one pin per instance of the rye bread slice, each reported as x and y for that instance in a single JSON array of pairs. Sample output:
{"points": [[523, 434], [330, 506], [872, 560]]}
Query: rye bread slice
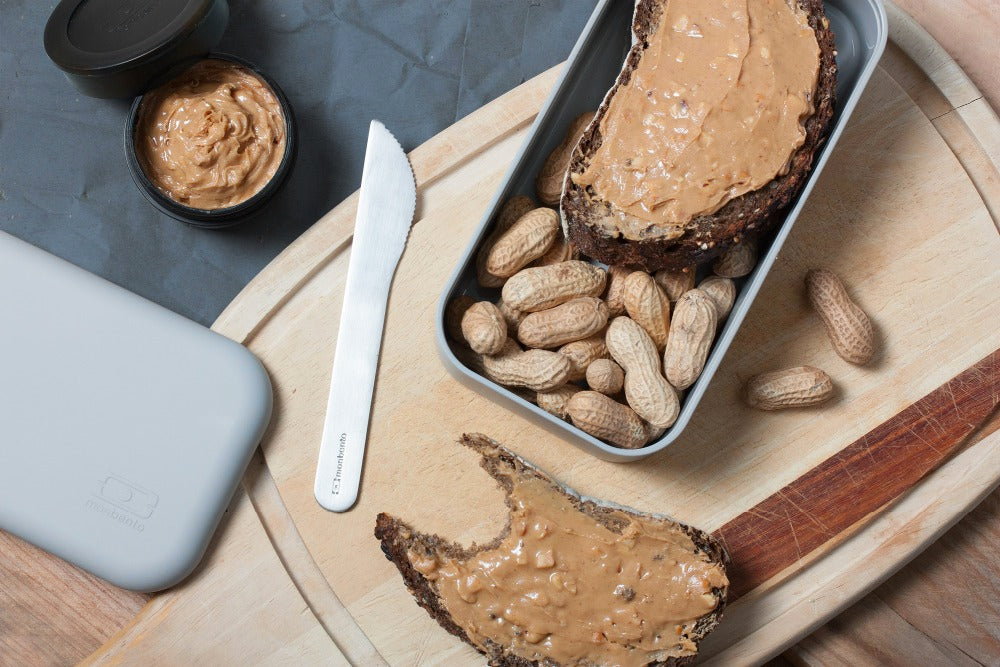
{"points": [[398, 538], [706, 236]]}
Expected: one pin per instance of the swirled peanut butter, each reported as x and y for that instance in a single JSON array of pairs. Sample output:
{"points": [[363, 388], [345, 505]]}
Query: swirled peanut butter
{"points": [[212, 137], [714, 109], [562, 586]]}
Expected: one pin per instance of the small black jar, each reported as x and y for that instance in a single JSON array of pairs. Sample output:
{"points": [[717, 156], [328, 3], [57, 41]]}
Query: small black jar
{"points": [[124, 48], [217, 217]]}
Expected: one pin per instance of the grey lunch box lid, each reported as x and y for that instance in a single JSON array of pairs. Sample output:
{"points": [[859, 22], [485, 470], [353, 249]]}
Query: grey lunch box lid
{"points": [[124, 427]]}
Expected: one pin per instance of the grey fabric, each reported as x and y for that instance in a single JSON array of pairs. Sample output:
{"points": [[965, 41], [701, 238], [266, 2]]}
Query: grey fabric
{"points": [[416, 65]]}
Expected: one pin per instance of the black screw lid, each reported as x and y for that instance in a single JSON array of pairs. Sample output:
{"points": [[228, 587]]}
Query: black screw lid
{"points": [[118, 48]]}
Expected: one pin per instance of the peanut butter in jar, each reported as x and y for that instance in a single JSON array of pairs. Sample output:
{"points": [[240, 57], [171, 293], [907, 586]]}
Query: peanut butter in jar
{"points": [[212, 137]]}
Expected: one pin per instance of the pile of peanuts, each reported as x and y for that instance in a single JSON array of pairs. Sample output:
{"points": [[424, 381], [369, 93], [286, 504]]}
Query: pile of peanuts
{"points": [[610, 350], [607, 349]]}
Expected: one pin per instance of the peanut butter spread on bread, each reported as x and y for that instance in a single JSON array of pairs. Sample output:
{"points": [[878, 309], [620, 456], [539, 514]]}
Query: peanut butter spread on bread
{"points": [[564, 587], [715, 108]]}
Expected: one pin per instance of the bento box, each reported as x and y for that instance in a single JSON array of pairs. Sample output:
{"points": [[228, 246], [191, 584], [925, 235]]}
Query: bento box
{"points": [[860, 29]]}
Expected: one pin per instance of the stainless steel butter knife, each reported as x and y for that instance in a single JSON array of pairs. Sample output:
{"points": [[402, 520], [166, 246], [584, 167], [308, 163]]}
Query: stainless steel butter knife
{"points": [[385, 213]]}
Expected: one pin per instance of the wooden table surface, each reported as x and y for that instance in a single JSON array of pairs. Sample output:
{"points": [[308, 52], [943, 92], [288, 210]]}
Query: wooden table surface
{"points": [[942, 608]]}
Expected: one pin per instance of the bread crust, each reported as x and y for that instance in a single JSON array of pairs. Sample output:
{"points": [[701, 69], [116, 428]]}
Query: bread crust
{"points": [[706, 236], [397, 538]]}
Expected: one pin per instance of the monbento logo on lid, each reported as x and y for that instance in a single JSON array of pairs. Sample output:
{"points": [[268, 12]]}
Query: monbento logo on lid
{"points": [[123, 501]]}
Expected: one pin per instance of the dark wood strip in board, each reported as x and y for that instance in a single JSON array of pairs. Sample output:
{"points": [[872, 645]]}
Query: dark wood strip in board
{"points": [[859, 480]]}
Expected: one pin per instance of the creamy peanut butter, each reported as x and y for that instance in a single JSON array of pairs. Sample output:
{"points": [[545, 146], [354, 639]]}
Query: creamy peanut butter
{"points": [[212, 137], [564, 587], [715, 109]]}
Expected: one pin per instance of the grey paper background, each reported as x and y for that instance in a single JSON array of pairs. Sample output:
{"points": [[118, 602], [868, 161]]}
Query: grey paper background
{"points": [[417, 65]]}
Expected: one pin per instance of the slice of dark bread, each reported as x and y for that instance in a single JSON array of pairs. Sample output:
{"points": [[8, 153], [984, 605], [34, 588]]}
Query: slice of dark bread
{"points": [[705, 236], [398, 539]]}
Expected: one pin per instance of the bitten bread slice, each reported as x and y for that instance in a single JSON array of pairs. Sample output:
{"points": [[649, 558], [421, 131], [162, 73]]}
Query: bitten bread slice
{"points": [[569, 580], [594, 224]]}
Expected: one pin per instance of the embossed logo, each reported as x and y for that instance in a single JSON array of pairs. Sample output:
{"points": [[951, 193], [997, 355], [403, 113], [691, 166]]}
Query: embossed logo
{"points": [[128, 15], [123, 501]]}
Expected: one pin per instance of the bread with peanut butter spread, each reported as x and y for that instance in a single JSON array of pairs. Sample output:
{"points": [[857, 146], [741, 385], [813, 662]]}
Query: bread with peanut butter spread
{"points": [[710, 129], [569, 581]]}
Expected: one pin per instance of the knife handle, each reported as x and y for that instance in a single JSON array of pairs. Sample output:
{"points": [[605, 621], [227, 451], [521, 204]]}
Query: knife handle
{"points": [[352, 384]]}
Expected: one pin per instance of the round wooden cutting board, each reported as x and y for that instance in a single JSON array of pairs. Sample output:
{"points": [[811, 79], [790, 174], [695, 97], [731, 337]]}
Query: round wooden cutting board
{"points": [[905, 211]]}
